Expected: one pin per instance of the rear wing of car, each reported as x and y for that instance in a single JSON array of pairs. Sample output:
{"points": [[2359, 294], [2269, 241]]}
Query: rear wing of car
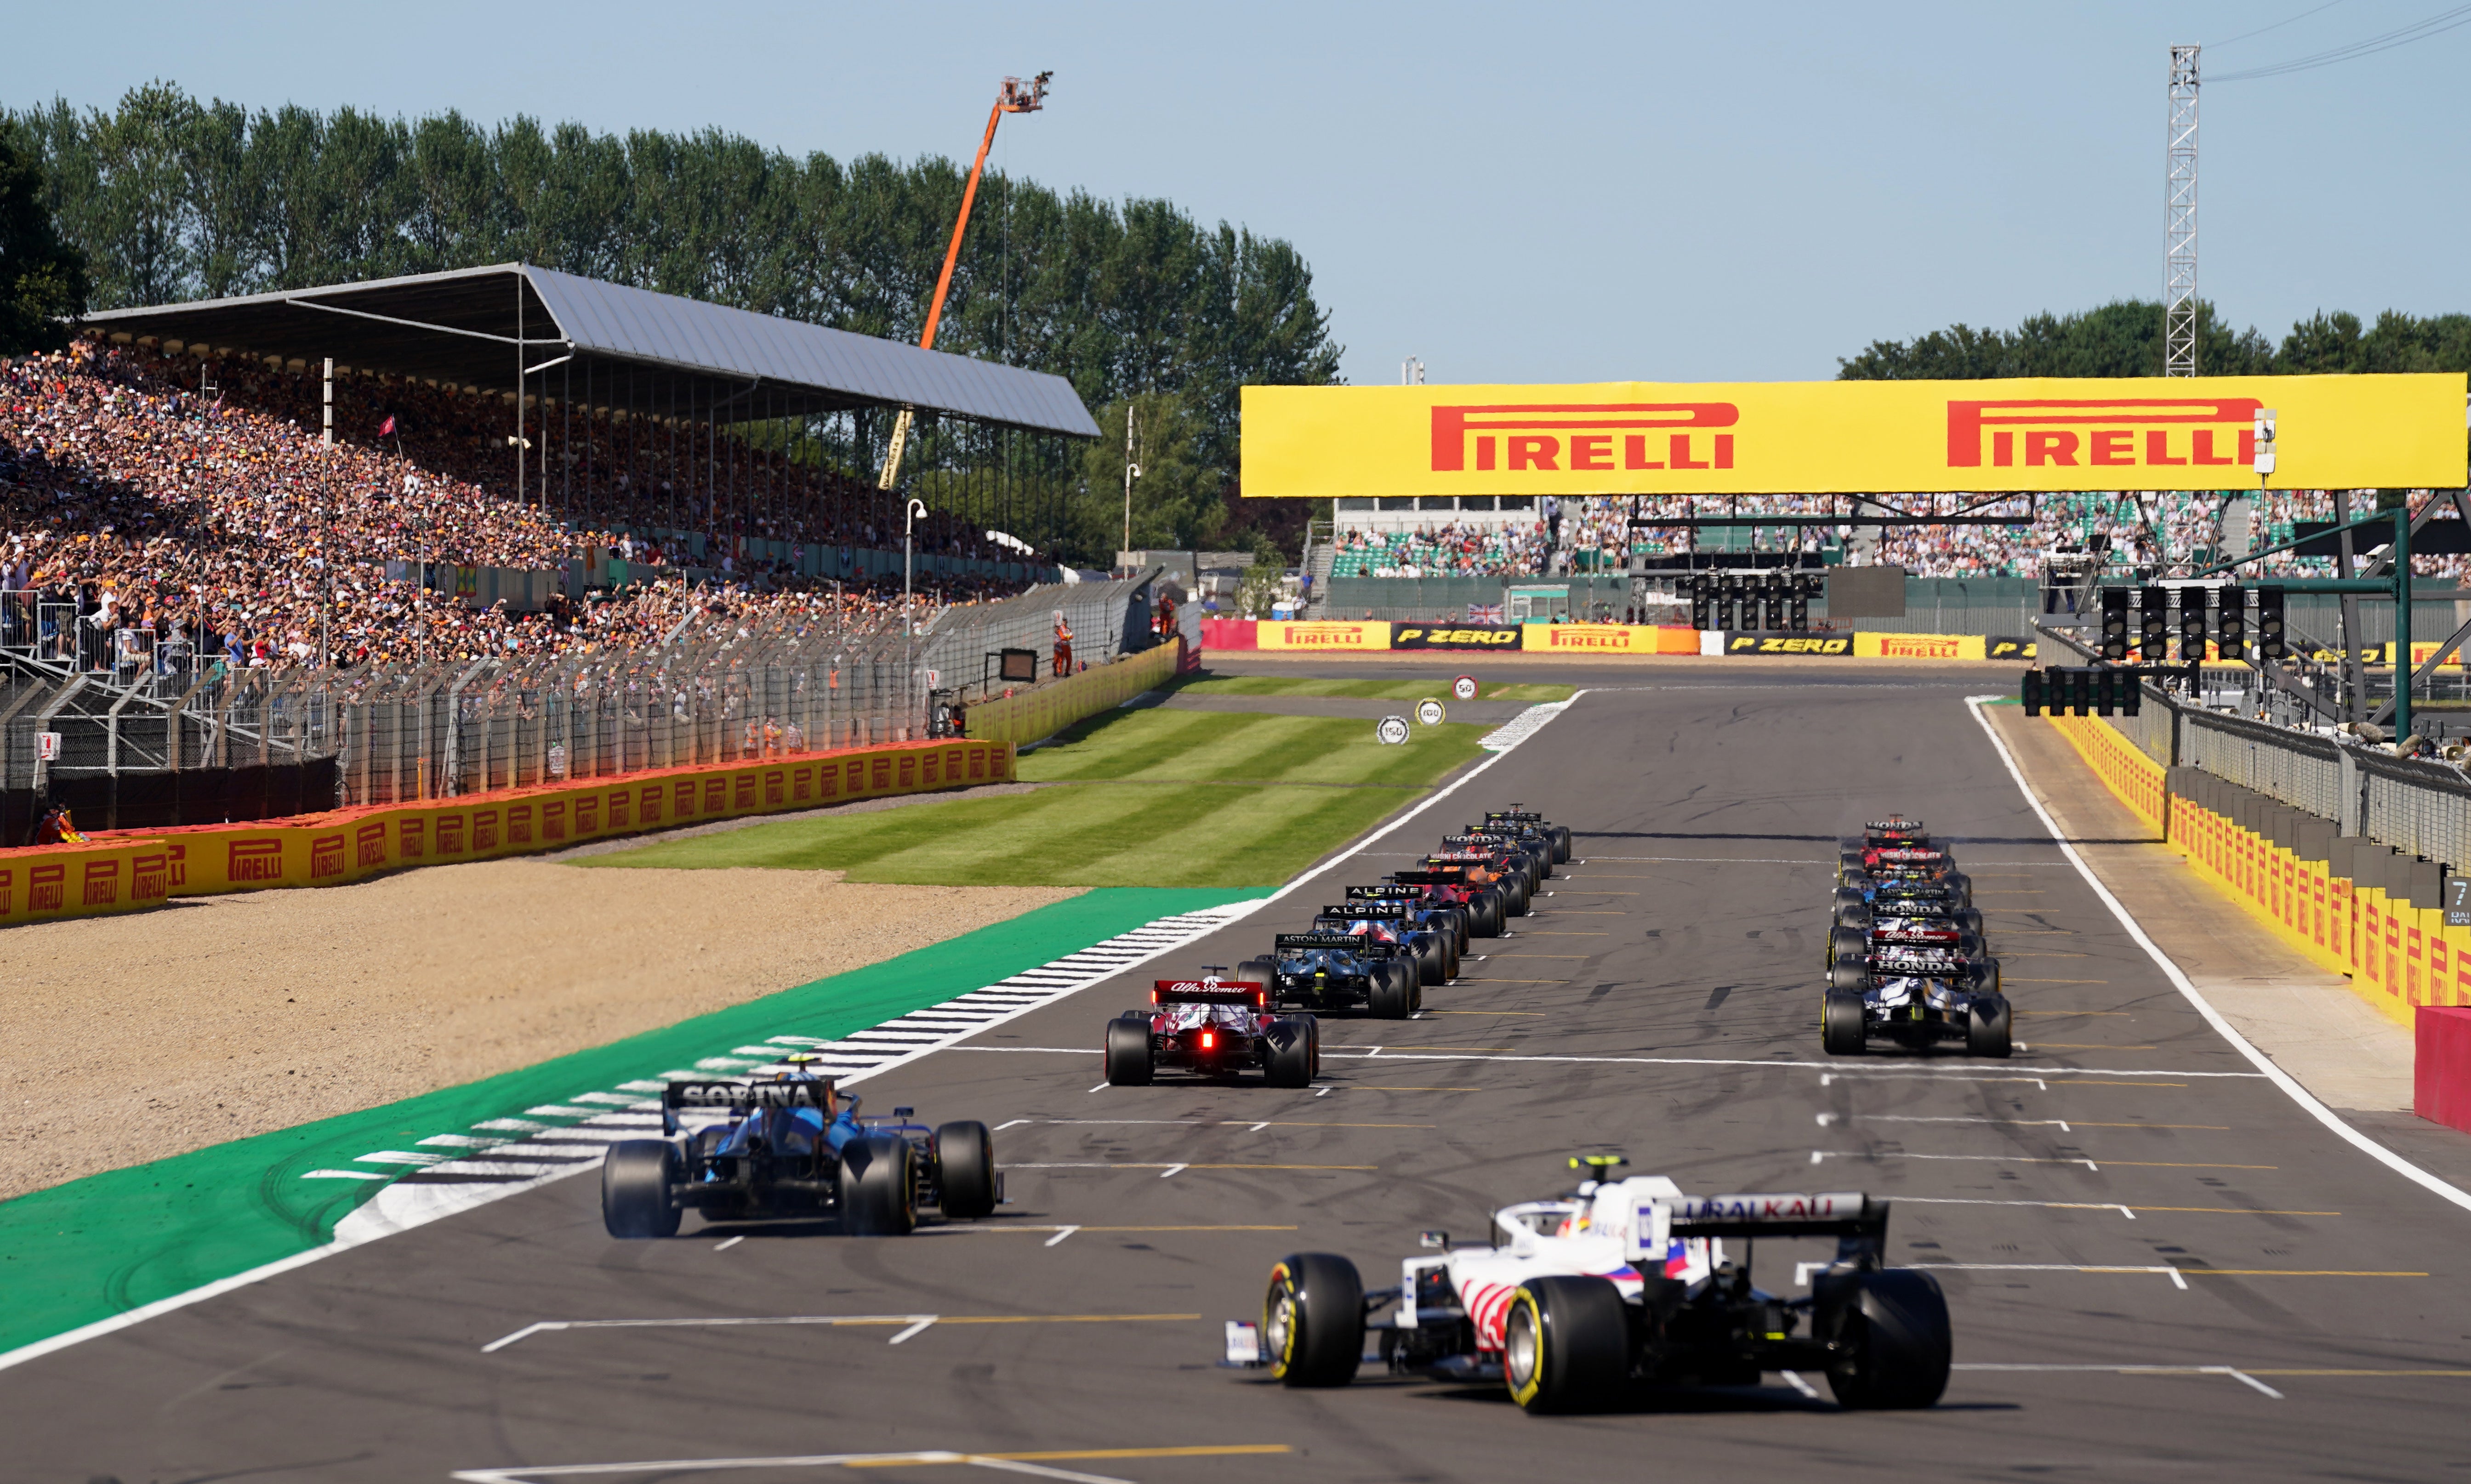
{"points": [[1909, 854], [1841, 1214], [739, 1093], [1384, 910], [1923, 964], [1513, 816], [1447, 875], [1301, 942], [1461, 859], [1399, 891], [1479, 837], [1243, 992], [739, 1097]]}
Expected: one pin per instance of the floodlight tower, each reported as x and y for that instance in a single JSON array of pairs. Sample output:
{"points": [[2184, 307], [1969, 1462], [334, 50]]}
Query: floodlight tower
{"points": [[2180, 209]]}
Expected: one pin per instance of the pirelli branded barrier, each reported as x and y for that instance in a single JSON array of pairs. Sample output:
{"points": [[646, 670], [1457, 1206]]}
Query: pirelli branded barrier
{"points": [[1380, 635], [1037, 714], [1463, 636], [2350, 905], [115, 873]]}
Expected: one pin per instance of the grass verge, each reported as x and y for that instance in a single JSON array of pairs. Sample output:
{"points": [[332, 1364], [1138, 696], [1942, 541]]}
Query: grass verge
{"points": [[1146, 798], [1367, 689]]}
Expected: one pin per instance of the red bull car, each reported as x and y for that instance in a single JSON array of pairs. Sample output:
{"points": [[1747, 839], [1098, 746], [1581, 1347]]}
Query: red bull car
{"points": [[1212, 1027], [1531, 827]]}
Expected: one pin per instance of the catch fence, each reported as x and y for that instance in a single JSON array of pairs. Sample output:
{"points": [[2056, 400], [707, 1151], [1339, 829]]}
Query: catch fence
{"points": [[147, 748], [2418, 805]]}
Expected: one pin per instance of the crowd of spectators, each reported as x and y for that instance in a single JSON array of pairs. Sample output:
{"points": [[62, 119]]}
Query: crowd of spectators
{"points": [[151, 512], [1593, 534]]}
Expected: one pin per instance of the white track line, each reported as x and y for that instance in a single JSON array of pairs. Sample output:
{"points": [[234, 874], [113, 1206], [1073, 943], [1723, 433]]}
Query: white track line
{"points": [[2188, 991]]}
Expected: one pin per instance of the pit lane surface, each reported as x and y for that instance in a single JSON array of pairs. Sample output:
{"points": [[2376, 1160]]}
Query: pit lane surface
{"points": [[2157, 1263]]}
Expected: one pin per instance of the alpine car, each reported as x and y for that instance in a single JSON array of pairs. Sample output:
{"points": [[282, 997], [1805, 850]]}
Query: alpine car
{"points": [[1487, 908], [1426, 911], [1214, 1028], [1333, 970], [1620, 1285], [1916, 998], [1529, 825], [1436, 957], [793, 1146]]}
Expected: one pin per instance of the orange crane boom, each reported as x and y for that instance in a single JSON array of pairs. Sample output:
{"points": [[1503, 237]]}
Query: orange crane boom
{"points": [[1014, 97]]}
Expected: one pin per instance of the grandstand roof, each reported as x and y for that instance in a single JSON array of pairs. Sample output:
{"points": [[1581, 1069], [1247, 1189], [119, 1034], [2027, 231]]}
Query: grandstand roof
{"points": [[478, 326]]}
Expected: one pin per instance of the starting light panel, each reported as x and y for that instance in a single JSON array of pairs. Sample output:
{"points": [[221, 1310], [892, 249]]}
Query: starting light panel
{"points": [[2192, 623], [2269, 642], [2154, 623], [2230, 622], [2114, 623]]}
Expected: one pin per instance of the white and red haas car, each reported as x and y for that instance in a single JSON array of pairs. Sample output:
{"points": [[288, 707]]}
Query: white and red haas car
{"points": [[1622, 1283], [1212, 1027]]}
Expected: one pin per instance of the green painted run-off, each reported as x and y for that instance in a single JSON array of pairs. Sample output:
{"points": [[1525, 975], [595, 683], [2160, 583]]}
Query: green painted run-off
{"points": [[100, 1246]]}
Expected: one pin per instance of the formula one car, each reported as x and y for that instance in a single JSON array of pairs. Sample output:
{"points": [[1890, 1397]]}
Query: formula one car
{"points": [[1436, 956], [1427, 913], [1215, 1027], [1622, 1283], [1928, 862], [793, 1147], [1916, 996], [1906, 922], [1895, 830], [1531, 853], [1864, 899], [1528, 825], [1510, 872], [1485, 909], [1333, 970]]}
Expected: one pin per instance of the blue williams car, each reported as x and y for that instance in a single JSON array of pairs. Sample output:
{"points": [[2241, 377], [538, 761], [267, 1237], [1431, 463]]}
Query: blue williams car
{"points": [[795, 1146]]}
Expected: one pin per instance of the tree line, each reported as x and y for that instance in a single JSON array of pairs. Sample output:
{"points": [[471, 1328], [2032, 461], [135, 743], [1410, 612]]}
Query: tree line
{"points": [[166, 196], [2125, 339]]}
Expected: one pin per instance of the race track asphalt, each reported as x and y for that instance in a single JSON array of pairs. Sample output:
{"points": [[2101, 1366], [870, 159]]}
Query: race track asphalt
{"points": [[2125, 1193]]}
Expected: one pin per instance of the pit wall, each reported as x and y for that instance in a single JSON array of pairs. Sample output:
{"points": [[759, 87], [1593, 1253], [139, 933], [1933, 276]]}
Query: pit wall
{"points": [[124, 873], [2350, 905], [1038, 713]]}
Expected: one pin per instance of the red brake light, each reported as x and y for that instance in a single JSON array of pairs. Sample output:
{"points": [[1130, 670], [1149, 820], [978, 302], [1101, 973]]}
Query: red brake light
{"points": [[1154, 997], [1209, 1039]]}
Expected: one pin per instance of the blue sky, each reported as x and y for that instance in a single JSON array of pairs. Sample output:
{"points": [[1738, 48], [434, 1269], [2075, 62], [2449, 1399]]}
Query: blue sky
{"points": [[1517, 193]]}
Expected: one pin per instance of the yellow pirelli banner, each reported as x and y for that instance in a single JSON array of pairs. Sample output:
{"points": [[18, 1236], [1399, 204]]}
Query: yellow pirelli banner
{"points": [[1747, 438], [1299, 634], [1870, 644]]}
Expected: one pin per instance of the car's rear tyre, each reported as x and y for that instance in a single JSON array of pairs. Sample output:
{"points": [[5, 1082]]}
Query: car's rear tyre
{"points": [[1128, 1051], [876, 1189], [1849, 974], [635, 1182], [1854, 916], [1843, 1032], [1291, 1062], [1389, 999], [1959, 886], [1985, 977], [1458, 918], [1515, 896], [1847, 861], [1565, 1344], [1970, 919], [1490, 912], [1892, 1333], [1845, 943], [1561, 833], [965, 1170], [1432, 963], [1312, 1320], [1986, 1027]]}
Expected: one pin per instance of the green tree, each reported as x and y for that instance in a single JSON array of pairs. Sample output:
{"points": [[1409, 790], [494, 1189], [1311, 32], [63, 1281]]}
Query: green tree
{"points": [[1175, 499], [43, 279], [2119, 338]]}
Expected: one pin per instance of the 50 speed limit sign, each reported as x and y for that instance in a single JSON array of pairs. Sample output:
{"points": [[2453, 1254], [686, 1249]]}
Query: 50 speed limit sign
{"points": [[1464, 688], [1393, 731]]}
